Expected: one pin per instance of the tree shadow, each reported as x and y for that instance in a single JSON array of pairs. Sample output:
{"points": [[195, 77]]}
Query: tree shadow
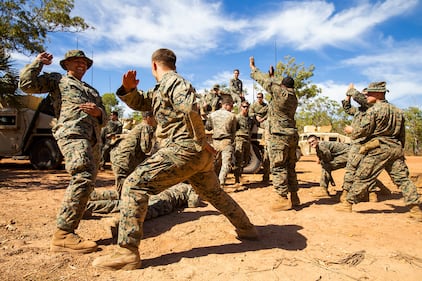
{"points": [[270, 236]]}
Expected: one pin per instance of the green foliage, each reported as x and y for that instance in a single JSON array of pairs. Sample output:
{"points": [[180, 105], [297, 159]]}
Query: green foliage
{"points": [[8, 81], [24, 24], [413, 130], [111, 103], [300, 74], [136, 115], [322, 111]]}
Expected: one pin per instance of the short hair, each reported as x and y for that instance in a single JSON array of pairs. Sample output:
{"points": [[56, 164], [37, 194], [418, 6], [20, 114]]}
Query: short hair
{"points": [[146, 114], [312, 137], [236, 70], [260, 94], [288, 82], [245, 103], [166, 57], [115, 113]]}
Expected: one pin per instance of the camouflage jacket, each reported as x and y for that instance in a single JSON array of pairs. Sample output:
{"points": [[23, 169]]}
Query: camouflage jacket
{"points": [[223, 123], [173, 103], [244, 126], [283, 105], [67, 93], [236, 87], [382, 121], [112, 128], [327, 151], [258, 109]]}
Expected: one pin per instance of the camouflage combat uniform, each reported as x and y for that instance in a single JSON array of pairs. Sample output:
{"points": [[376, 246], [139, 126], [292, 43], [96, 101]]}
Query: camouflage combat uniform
{"points": [[242, 143], [354, 155], [129, 153], [385, 123], [284, 138], [333, 156], [76, 132], [258, 109], [223, 123], [211, 102], [113, 127], [181, 156], [236, 91]]}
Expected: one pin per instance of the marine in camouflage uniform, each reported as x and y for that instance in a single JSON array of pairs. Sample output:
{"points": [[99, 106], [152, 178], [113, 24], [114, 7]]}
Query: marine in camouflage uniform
{"points": [[284, 138], [236, 88], [129, 153], [211, 101], [354, 155], [184, 155], [223, 124], [81, 115], [108, 133], [259, 111], [384, 123], [242, 140], [332, 156]]}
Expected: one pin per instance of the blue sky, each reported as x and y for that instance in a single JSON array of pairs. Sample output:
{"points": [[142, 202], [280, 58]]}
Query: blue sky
{"points": [[355, 41]]}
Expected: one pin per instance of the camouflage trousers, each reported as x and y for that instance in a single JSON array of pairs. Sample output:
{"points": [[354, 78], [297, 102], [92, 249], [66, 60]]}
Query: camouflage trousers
{"points": [[266, 165], [353, 160], [241, 154], [337, 163], [126, 156], [161, 204], [167, 167], [390, 158], [81, 161], [224, 158], [282, 154]]}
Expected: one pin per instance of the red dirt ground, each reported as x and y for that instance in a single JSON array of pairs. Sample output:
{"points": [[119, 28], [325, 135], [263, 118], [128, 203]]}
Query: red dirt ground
{"points": [[376, 242]]}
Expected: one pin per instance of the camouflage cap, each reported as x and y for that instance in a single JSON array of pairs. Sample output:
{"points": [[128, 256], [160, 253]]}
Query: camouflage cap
{"points": [[216, 86], [378, 87], [75, 54]]}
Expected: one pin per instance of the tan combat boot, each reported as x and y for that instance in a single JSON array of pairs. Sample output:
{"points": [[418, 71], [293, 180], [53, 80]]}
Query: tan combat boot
{"points": [[415, 212], [294, 199], [64, 241], [320, 192], [343, 196], [373, 197], [344, 206], [248, 234], [282, 203], [121, 259]]}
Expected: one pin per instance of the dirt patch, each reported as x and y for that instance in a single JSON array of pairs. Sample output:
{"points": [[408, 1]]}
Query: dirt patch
{"points": [[314, 242]]}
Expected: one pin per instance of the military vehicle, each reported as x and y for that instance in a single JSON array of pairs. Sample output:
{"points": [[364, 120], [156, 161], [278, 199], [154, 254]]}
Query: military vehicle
{"points": [[25, 132]]}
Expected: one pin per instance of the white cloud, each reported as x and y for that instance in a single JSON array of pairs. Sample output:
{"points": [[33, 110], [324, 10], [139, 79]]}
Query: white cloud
{"points": [[399, 66], [311, 25], [133, 30]]}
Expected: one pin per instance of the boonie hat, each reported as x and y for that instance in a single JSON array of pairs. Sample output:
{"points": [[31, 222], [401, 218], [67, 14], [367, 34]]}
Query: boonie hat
{"points": [[379, 87], [75, 54]]}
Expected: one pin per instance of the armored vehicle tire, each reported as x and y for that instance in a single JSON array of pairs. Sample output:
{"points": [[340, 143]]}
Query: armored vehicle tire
{"points": [[45, 154], [254, 162]]}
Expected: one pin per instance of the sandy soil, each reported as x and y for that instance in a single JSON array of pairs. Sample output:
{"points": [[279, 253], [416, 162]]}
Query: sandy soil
{"points": [[314, 242]]}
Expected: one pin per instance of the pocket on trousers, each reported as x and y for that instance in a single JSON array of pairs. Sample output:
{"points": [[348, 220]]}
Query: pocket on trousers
{"points": [[365, 168], [354, 162]]}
